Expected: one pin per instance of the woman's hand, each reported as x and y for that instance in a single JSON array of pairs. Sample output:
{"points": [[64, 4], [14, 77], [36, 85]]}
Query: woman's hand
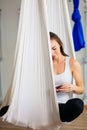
{"points": [[65, 88]]}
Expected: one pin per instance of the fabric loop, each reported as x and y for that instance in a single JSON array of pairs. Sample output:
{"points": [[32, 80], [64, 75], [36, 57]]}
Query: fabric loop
{"points": [[76, 15]]}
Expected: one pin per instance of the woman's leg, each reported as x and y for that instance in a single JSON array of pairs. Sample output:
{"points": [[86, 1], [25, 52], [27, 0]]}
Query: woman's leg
{"points": [[71, 109], [3, 110]]}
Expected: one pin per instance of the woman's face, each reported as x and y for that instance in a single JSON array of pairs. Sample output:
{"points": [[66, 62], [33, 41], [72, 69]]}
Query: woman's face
{"points": [[55, 47]]}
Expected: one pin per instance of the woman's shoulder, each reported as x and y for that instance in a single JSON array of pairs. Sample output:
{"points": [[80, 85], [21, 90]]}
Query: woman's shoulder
{"points": [[74, 64]]}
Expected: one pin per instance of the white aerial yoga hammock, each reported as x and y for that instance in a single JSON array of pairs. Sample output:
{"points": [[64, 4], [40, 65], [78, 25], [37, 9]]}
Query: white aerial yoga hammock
{"points": [[32, 97]]}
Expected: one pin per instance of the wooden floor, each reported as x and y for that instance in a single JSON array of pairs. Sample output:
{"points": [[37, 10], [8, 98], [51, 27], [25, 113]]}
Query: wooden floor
{"points": [[79, 124]]}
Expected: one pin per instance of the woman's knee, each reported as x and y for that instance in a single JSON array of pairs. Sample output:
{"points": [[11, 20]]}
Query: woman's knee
{"points": [[77, 104]]}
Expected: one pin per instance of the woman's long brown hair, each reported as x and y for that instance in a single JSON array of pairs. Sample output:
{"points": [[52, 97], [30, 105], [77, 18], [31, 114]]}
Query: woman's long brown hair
{"points": [[55, 37]]}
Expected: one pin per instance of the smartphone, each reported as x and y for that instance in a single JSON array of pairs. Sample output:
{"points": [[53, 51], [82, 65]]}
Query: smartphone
{"points": [[58, 86]]}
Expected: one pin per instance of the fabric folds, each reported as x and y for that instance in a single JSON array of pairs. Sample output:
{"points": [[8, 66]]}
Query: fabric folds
{"points": [[31, 96]]}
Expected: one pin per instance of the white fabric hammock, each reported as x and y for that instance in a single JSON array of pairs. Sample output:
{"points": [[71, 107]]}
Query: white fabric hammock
{"points": [[32, 96]]}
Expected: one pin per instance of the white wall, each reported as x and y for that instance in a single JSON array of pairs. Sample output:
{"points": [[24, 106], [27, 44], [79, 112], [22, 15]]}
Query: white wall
{"points": [[80, 55], [10, 15]]}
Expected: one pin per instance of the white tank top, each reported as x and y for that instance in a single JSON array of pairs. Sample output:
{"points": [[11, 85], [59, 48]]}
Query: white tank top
{"points": [[65, 77]]}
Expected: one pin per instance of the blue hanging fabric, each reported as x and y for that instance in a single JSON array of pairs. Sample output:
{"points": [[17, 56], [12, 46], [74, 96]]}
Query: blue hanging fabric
{"points": [[78, 36]]}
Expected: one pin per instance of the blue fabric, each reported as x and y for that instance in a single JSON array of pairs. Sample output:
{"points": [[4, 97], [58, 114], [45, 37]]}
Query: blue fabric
{"points": [[78, 37]]}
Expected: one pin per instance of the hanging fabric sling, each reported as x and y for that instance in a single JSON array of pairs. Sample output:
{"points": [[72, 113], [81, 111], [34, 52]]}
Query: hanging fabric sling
{"points": [[31, 96]]}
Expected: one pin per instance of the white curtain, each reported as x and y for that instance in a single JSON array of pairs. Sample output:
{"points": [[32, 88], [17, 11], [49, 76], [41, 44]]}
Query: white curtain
{"points": [[59, 22], [32, 96]]}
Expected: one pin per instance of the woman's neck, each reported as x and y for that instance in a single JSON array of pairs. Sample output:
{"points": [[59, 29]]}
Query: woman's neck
{"points": [[59, 59]]}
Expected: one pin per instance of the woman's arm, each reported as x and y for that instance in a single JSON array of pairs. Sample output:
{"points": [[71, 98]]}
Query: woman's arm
{"points": [[77, 74]]}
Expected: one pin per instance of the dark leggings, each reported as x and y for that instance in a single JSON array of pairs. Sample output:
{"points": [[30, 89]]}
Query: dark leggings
{"points": [[71, 109], [3, 110], [68, 111]]}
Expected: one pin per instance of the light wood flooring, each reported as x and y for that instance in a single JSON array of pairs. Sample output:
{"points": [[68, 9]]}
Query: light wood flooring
{"points": [[78, 124]]}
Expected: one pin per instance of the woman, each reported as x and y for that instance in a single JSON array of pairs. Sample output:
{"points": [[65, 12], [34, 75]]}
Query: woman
{"points": [[65, 69]]}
